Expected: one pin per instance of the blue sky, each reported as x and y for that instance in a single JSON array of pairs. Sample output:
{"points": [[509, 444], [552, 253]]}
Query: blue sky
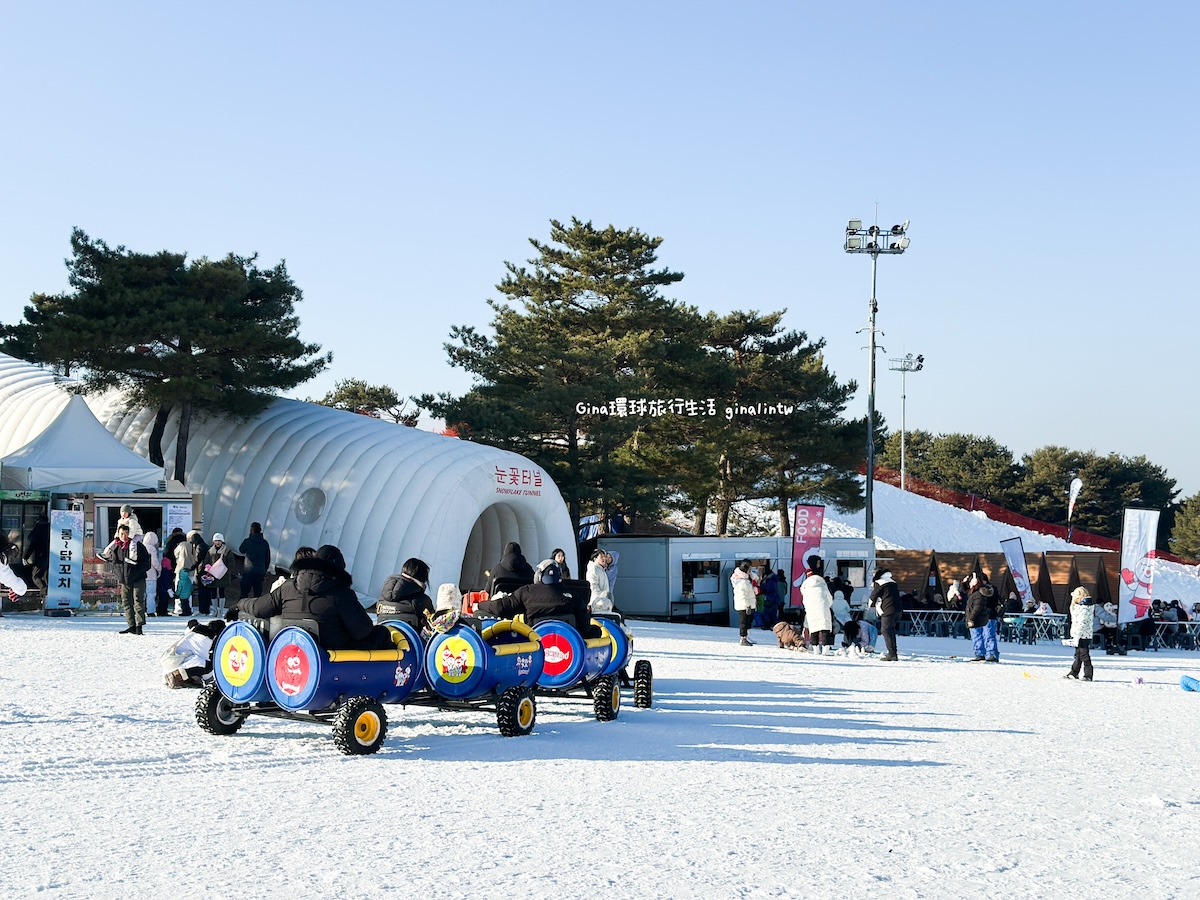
{"points": [[395, 155]]}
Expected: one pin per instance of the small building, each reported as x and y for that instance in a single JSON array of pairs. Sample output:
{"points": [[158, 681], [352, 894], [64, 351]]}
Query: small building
{"points": [[663, 576]]}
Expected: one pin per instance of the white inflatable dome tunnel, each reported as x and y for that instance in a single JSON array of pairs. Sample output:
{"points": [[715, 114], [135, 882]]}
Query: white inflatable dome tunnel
{"points": [[313, 475]]}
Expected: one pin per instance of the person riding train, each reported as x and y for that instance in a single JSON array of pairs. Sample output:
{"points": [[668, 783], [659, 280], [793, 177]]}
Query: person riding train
{"points": [[405, 596], [320, 590], [538, 602]]}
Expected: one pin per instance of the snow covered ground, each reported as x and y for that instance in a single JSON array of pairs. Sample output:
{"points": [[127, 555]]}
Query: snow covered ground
{"points": [[757, 773]]}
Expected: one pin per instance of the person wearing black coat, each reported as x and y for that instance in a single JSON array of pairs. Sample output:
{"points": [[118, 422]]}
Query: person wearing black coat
{"points": [[513, 566], [257, 552], [983, 613], [405, 596], [885, 597], [38, 554], [320, 590], [538, 602], [131, 562]]}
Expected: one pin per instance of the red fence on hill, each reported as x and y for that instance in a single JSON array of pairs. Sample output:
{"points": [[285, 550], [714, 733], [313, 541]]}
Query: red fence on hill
{"points": [[1000, 514]]}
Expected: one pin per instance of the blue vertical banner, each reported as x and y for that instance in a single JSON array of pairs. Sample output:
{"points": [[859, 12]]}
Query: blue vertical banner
{"points": [[65, 578]]}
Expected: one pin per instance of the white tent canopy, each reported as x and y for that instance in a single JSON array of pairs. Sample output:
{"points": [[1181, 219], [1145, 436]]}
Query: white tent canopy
{"points": [[76, 453]]}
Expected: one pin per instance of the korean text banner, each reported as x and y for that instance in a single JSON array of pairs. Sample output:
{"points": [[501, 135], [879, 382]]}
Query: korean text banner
{"points": [[1014, 555], [64, 581], [1139, 534], [806, 537]]}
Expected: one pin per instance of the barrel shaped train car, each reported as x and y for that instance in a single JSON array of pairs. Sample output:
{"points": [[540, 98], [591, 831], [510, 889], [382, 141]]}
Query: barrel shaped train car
{"points": [[281, 671], [278, 669]]}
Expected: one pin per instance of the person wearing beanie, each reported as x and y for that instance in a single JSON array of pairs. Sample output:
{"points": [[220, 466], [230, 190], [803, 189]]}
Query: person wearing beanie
{"points": [[449, 597], [550, 599], [216, 574], [130, 520], [885, 597], [320, 590], [1081, 633]]}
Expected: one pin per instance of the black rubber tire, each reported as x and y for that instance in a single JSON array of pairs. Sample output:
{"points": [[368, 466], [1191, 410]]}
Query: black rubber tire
{"points": [[606, 698], [643, 684], [516, 713], [360, 726], [215, 714]]}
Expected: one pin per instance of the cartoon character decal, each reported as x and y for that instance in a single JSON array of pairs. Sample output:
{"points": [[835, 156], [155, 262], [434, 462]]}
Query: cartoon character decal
{"points": [[1022, 585], [1140, 579], [237, 661], [455, 660], [291, 670], [403, 673]]}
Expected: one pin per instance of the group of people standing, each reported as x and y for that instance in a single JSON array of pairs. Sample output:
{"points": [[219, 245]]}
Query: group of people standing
{"points": [[187, 566]]}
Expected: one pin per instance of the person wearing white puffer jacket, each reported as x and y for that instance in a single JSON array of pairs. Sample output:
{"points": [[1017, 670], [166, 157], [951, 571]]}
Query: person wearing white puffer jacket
{"points": [[745, 600], [1082, 608], [818, 606]]}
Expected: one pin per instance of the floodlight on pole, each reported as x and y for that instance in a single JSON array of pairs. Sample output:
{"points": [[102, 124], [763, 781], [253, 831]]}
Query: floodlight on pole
{"points": [[873, 240], [908, 364]]}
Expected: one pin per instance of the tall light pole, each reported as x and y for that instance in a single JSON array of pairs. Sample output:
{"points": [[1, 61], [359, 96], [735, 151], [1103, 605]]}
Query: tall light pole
{"points": [[873, 240], [904, 366]]}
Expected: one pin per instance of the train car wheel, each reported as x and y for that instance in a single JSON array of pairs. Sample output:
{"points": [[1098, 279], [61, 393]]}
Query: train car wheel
{"points": [[360, 726], [516, 712], [606, 698], [215, 714], [643, 684]]}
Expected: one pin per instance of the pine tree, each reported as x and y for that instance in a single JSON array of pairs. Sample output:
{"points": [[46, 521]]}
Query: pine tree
{"points": [[207, 336], [588, 331], [376, 400], [1185, 535]]}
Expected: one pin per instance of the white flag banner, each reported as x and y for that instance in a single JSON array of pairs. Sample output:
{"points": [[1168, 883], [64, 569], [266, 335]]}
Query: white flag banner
{"points": [[1139, 534], [1014, 555], [1076, 487]]}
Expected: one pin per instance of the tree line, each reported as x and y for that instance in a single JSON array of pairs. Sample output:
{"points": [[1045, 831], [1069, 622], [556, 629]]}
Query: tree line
{"points": [[1037, 484], [635, 403]]}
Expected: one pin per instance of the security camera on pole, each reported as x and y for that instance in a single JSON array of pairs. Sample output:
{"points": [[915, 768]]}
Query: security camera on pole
{"points": [[873, 240]]}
